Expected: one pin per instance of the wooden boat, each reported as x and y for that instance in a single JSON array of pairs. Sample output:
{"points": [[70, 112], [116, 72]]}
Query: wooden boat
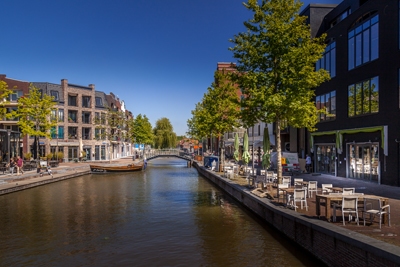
{"points": [[117, 167]]}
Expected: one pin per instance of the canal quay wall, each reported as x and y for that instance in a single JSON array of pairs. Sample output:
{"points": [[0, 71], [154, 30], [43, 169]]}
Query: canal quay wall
{"points": [[333, 245], [11, 184]]}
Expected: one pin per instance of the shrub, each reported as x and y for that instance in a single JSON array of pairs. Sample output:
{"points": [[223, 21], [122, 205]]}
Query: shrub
{"points": [[60, 155], [28, 156], [49, 156]]}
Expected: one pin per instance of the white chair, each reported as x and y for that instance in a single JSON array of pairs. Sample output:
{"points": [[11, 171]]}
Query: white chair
{"points": [[262, 172], [281, 192], [325, 189], [312, 187], [286, 180], [299, 195], [349, 191], [297, 181], [349, 206], [373, 207], [270, 176]]}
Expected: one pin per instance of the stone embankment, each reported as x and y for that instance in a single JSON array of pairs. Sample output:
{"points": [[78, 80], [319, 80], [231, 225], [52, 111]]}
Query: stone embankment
{"points": [[334, 245]]}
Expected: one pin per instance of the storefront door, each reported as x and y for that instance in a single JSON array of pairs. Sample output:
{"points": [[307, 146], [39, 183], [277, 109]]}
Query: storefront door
{"points": [[325, 159], [364, 161]]}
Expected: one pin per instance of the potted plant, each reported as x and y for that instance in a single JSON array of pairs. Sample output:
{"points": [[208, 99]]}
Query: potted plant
{"points": [[28, 156], [49, 156], [60, 156]]}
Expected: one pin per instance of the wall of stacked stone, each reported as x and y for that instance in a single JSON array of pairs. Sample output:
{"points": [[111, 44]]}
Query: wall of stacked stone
{"points": [[333, 245]]}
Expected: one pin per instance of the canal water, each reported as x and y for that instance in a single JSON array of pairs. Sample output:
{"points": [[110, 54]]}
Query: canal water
{"points": [[165, 216]]}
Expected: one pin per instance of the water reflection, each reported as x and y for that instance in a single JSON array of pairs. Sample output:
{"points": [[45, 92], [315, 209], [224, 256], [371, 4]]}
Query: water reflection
{"points": [[166, 216]]}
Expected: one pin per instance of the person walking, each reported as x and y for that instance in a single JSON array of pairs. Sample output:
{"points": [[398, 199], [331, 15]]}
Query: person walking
{"points": [[308, 163], [11, 166], [20, 164]]}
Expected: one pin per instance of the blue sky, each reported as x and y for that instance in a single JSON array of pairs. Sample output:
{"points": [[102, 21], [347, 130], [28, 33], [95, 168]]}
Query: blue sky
{"points": [[159, 56]]}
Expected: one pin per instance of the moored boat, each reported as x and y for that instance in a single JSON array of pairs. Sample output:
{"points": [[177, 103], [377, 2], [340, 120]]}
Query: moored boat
{"points": [[94, 168]]}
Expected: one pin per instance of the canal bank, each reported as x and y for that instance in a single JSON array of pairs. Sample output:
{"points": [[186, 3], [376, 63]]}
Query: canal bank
{"points": [[333, 245]]}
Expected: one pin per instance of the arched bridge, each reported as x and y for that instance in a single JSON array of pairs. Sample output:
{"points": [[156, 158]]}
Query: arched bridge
{"points": [[157, 153]]}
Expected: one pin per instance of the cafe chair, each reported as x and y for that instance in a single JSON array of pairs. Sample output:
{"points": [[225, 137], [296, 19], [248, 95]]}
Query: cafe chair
{"points": [[312, 187], [286, 180], [349, 191], [373, 207], [326, 190], [297, 181], [349, 206], [281, 192], [299, 195]]}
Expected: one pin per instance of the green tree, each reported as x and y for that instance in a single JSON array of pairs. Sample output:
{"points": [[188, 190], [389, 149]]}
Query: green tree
{"points": [[164, 136], [34, 115], [110, 126], [5, 93], [141, 131], [276, 62]]}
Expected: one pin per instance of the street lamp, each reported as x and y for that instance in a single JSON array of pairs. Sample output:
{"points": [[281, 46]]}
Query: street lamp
{"points": [[9, 144]]}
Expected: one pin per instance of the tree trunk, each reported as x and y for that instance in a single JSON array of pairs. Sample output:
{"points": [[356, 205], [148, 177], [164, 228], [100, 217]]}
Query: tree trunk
{"points": [[278, 151]]}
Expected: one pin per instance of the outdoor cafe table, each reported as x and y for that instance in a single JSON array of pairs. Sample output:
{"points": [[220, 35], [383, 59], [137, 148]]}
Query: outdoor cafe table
{"points": [[336, 189], [327, 199], [286, 193]]}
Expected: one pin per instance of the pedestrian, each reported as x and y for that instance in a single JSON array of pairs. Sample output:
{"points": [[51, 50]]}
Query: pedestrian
{"points": [[308, 163], [11, 165], [20, 164]]}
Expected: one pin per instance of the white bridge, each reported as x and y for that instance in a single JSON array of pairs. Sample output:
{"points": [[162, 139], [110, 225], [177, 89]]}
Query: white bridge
{"points": [[158, 153]]}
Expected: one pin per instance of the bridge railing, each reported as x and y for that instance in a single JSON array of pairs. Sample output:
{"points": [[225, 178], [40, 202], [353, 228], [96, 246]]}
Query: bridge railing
{"points": [[166, 152]]}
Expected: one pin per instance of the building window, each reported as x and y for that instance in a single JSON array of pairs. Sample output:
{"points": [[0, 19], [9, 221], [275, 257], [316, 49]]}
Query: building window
{"points": [[327, 104], [363, 41], [61, 132], [72, 116], [363, 97], [15, 95], [99, 102], [55, 95], [86, 133], [86, 117], [72, 100], [60, 115], [72, 132], [328, 60], [86, 101], [341, 17], [53, 115], [53, 132]]}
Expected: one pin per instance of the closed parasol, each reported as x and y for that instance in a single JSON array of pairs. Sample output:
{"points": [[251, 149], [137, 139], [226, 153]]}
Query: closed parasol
{"points": [[246, 154], [266, 147], [236, 145]]}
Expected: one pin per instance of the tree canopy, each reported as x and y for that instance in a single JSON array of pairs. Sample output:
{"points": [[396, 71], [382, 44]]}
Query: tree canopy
{"points": [[141, 131], [34, 114], [164, 136], [219, 110], [276, 63], [5, 92]]}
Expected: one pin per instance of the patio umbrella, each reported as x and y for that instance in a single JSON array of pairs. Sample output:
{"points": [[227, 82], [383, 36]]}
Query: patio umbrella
{"points": [[266, 147], [246, 154], [236, 145]]}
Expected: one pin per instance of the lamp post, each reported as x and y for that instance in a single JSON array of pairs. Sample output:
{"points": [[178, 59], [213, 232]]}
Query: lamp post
{"points": [[9, 144]]}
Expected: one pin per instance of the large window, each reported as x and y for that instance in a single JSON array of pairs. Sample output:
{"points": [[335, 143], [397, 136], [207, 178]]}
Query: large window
{"points": [[327, 104], [55, 95], [60, 115], [99, 101], [61, 132], [86, 101], [72, 132], [328, 60], [72, 116], [86, 117], [363, 97], [363, 41], [15, 95], [72, 100]]}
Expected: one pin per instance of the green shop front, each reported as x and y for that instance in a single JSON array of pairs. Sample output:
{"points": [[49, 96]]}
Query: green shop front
{"points": [[352, 153]]}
